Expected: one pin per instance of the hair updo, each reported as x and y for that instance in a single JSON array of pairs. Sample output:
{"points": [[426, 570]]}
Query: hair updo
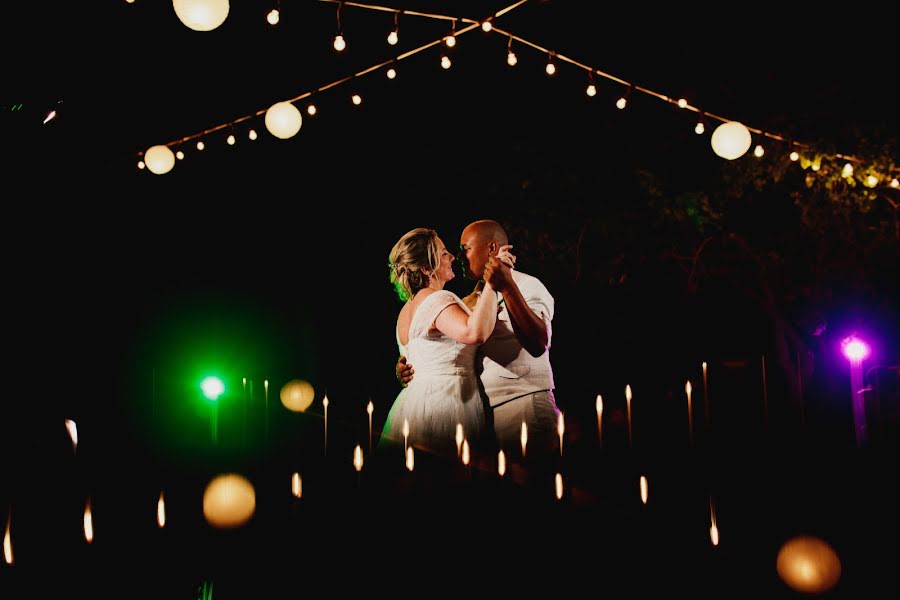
{"points": [[414, 255]]}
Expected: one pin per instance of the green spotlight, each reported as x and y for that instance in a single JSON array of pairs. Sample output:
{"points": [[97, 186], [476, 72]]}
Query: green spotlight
{"points": [[212, 387]]}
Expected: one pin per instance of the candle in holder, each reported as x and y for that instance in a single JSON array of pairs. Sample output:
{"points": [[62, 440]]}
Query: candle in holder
{"points": [[501, 463], [560, 429], [600, 420], [687, 390], [161, 511], [524, 437], [369, 409], [325, 404], [628, 409]]}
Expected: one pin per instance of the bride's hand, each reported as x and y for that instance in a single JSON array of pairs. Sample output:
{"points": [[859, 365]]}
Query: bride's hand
{"points": [[505, 256]]}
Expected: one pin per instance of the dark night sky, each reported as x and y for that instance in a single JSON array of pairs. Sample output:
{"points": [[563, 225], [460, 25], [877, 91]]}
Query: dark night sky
{"points": [[274, 252]]}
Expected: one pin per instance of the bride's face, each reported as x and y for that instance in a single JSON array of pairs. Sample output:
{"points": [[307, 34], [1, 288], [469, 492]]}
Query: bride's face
{"points": [[444, 272]]}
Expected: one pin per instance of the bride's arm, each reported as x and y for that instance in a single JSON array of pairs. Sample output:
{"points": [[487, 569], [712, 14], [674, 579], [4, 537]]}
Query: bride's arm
{"points": [[455, 323]]}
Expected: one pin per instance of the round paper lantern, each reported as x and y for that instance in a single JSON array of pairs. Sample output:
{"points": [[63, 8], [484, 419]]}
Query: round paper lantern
{"points": [[229, 501], [159, 159], [730, 140], [201, 15], [283, 120], [808, 564], [297, 395]]}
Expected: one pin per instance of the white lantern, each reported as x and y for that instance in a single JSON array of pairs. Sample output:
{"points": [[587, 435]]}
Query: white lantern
{"points": [[159, 159], [808, 564], [297, 395], [731, 140], [229, 501], [283, 120], [201, 15]]}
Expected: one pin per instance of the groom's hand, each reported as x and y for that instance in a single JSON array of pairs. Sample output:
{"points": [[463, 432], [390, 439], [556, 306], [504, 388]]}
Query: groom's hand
{"points": [[404, 371]]}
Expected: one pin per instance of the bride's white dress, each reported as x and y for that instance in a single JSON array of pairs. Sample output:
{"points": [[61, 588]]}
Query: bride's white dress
{"points": [[444, 390]]}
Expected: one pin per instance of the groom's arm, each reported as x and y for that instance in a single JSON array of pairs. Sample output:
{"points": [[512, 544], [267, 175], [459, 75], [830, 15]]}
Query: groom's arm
{"points": [[530, 328]]}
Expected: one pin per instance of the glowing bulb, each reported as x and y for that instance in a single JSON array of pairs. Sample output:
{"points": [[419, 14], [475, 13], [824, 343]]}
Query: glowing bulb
{"points": [[283, 120], [201, 15], [273, 17], [200, 145], [445, 62], [339, 43], [551, 68], [357, 99], [391, 73], [895, 183], [847, 171], [231, 140], [511, 59], [450, 40], [682, 103], [486, 26], [871, 181], [730, 140], [179, 155], [357, 458], [252, 135], [393, 38], [591, 90], [699, 129], [159, 159], [141, 164], [311, 109], [621, 102], [794, 156], [816, 166]]}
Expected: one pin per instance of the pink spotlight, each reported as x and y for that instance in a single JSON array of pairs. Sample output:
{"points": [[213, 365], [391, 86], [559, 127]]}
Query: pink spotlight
{"points": [[854, 348]]}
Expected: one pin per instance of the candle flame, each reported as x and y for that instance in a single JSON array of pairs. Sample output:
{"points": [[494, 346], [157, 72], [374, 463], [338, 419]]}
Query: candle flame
{"points": [[524, 437], [410, 460], [459, 437], [370, 408], [560, 429], [703, 364], [161, 511], [49, 117], [501, 463], [88, 523], [325, 403], [405, 427], [645, 489], [628, 393], [465, 452], [688, 388], [559, 486], [357, 458], [73, 433], [7, 542], [599, 405], [713, 529], [296, 485]]}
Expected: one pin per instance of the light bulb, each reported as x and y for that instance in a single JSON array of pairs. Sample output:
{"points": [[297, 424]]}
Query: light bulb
{"points": [[200, 145], [311, 109], [847, 171], [621, 102], [141, 164], [895, 183], [450, 40], [591, 90], [357, 99], [551, 68], [393, 38], [273, 17], [816, 166], [201, 15], [699, 128], [179, 155], [794, 156], [730, 140], [391, 73], [339, 43], [252, 134], [511, 59], [445, 62], [231, 139], [486, 26], [871, 181], [682, 103], [758, 151], [159, 159]]}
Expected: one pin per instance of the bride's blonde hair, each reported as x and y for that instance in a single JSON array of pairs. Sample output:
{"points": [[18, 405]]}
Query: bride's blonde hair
{"points": [[414, 255]]}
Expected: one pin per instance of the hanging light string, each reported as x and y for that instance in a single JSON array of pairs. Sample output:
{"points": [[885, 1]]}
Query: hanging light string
{"points": [[706, 114], [472, 24]]}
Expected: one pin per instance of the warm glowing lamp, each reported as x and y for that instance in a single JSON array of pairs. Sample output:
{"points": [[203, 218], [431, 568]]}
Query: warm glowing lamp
{"points": [[731, 140], [201, 15]]}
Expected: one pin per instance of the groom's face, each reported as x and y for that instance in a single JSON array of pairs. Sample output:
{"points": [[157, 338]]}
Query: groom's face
{"points": [[474, 252]]}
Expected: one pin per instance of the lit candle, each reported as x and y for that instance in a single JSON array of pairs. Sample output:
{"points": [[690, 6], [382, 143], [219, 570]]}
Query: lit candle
{"points": [[369, 409], [325, 404], [7, 541], [88, 522], [459, 438], [296, 485], [405, 434], [628, 408], [559, 486], [358, 463], [713, 530], [410, 461], [600, 420], [560, 429], [645, 489], [524, 437], [465, 452], [687, 390], [501, 463], [73, 433], [161, 511]]}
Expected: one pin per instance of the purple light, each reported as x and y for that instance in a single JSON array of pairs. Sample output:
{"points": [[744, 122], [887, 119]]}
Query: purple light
{"points": [[854, 348]]}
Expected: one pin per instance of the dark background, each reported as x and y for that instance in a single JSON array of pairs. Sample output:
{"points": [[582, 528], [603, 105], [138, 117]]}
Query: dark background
{"points": [[269, 258]]}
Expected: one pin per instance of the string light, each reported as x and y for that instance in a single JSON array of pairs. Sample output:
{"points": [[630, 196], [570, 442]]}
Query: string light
{"points": [[445, 61], [450, 40], [682, 103], [339, 43], [252, 135], [486, 26], [141, 164], [511, 59], [179, 155], [622, 102], [758, 151], [591, 90], [231, 140], [847, 171], [357, 99], [391, 73], [895, 183], [273, 17], [394, 36], [201, 145], [551, 68], [311, 109]]}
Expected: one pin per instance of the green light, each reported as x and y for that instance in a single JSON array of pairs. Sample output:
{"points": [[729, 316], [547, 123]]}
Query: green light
{"points": [[212, 387]]}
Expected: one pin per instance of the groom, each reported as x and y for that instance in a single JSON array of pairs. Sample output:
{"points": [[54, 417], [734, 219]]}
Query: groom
{"points": [[514, 362]]}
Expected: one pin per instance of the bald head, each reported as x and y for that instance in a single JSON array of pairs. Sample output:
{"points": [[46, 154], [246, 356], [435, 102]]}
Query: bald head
{"points": [[486, 231]]}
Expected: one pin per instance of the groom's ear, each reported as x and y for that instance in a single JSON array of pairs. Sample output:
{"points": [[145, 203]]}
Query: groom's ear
{"points": [[492, 248]]}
